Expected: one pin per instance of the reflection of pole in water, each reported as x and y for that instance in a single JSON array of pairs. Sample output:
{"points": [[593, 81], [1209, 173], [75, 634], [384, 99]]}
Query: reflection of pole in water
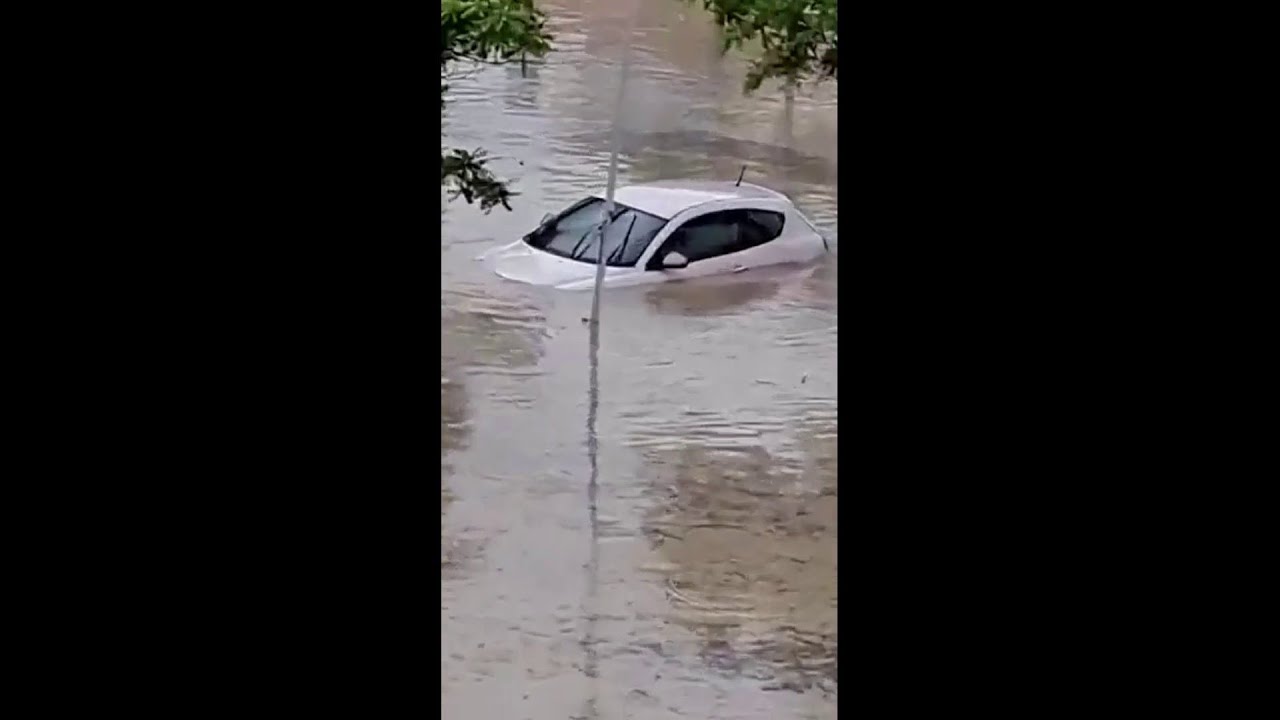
{"points": [[788, 132], [789, 106], [591, 658]]}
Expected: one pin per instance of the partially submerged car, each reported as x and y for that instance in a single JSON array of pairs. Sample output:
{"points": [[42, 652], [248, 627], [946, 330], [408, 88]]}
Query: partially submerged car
{"points": [[662, 231]]}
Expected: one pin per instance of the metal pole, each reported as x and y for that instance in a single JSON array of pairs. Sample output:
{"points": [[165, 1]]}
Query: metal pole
{"points": [[613, 161]]}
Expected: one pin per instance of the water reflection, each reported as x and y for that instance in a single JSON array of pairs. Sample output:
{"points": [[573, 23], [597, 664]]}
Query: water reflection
{"points": [[521, 99], [701, 144], [714, 297], [454, 434], [478, 336], [749, 540], [454, 429], [486, 332]]}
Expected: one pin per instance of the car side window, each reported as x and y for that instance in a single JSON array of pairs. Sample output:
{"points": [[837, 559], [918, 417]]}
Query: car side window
{"points": [[722, 233], [759, 227], [705, 237]]}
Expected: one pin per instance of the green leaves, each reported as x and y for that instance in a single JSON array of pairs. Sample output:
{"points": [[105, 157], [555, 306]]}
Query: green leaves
{"points": [[492, 32], [798, 38], [465, 175]]}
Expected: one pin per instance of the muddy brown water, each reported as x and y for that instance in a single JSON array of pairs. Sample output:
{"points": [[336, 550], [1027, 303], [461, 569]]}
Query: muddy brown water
{"points": [[661, 542]]}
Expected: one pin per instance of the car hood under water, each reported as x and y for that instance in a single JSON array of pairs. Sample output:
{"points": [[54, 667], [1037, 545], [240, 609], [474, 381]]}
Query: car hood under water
{"points": [[521, 263]]}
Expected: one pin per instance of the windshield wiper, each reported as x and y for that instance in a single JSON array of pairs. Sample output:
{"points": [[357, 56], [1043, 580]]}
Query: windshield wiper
{"points": [[625, 238], [605, 222], [573, 254]]}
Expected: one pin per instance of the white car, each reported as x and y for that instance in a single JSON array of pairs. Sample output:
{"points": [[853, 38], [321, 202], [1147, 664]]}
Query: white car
{"points": [[662, 231]]}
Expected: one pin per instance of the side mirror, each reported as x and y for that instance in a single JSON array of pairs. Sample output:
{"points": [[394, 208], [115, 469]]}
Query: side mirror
{"points": [[546, 219], [674, 261]]}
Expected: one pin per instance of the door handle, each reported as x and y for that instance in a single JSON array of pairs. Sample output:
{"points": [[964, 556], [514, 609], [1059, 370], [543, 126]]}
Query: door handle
{"points": [[739, 268]]}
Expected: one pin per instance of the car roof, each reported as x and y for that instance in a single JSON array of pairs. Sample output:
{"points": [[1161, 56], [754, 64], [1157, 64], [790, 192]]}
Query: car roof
{"points": [[667, 198]]}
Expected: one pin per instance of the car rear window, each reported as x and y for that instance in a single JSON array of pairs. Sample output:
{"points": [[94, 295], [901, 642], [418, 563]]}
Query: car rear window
{"points": [[759, 227]]}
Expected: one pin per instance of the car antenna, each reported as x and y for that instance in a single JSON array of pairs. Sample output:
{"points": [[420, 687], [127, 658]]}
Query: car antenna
{"points": [[744, 172]]}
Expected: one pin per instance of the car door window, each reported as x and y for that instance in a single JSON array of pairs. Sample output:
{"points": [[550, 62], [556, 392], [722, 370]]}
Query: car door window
{"points": [[708, 236], [722, 233]]}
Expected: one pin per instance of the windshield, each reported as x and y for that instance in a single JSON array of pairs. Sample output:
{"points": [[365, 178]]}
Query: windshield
{"points": [[573, 236]]}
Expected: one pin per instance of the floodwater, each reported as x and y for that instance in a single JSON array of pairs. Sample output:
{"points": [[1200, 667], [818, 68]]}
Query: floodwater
{"points": [[639, 524]]}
